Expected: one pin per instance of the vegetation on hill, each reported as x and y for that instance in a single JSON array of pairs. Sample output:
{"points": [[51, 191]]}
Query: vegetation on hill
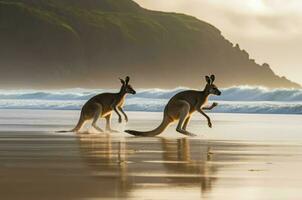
{"points": [[77, 43]]}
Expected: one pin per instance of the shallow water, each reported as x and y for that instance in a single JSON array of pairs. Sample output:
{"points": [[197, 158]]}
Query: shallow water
{"points": [[242, 157]]}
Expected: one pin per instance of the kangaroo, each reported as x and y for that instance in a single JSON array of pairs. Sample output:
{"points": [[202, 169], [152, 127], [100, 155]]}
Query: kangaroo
{"points": [[102, 105], [181, 106]]}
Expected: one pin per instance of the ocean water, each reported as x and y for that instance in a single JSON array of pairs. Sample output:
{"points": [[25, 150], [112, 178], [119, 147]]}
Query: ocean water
{"points": [[243, 99]]}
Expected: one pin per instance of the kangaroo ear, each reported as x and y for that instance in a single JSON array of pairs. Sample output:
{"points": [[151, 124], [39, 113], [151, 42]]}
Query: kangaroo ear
{"points": [[208, 79], [127, 79], [213, 78], [122, 81]]}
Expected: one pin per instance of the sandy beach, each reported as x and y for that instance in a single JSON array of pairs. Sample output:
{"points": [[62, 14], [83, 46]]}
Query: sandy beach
{"points": [[243, 157]]}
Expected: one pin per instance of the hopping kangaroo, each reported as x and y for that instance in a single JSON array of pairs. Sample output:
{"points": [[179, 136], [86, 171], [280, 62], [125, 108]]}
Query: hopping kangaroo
{"points": [[102, 105], [181, 106]]}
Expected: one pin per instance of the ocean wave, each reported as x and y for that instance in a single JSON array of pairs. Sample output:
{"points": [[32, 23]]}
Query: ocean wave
{"points": [[242, 93], [246, 93], [157, 105], [242, 99]]}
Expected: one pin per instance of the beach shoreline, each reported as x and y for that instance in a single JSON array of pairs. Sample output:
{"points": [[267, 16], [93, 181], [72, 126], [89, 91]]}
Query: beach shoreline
{"points": [[242, 157]]}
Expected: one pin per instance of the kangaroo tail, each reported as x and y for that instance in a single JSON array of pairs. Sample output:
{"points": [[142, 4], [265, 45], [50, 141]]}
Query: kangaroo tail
{"points": [[64, 131], [72, 130], [165, 123], [77, 127]]}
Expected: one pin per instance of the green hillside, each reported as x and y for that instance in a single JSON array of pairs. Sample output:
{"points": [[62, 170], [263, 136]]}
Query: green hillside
{"points": [[87, 43]]}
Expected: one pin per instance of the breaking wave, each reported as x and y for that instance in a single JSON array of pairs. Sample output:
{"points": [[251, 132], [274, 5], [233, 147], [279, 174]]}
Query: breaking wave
{"points": [[243, 99]]}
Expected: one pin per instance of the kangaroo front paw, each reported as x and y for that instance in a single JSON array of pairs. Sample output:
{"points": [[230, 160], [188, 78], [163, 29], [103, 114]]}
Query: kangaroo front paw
{"points": [[214, 104], [119, 120], [210, 124]]}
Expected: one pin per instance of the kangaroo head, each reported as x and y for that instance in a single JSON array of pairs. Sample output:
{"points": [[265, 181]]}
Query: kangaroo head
{"points": [[126, 87], [210, 87]]}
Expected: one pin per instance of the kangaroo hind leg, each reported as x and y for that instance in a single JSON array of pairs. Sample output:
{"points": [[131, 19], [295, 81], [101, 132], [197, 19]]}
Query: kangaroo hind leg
{"points": [[187, 121], [80, 123], [108, 124], [97, 114], [183, 115]]}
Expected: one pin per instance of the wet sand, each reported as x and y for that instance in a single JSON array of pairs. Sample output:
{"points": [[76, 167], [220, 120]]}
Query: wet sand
{"points": [[242, 157]]}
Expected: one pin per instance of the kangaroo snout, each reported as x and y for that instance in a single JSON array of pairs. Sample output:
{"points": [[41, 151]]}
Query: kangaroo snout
{"points": [[130, 90]]}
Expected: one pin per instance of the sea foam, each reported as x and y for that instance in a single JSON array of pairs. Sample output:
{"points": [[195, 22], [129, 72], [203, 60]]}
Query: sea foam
{"points": [[243, 99]]}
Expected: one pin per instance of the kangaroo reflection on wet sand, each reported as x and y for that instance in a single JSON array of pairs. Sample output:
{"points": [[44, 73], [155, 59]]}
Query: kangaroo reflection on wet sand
{"points": [[134, 164], [189, 160], [107, 161]]}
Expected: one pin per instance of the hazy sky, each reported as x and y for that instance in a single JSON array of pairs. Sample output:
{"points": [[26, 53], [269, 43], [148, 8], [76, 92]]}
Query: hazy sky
{"points": [[270, 30]]}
